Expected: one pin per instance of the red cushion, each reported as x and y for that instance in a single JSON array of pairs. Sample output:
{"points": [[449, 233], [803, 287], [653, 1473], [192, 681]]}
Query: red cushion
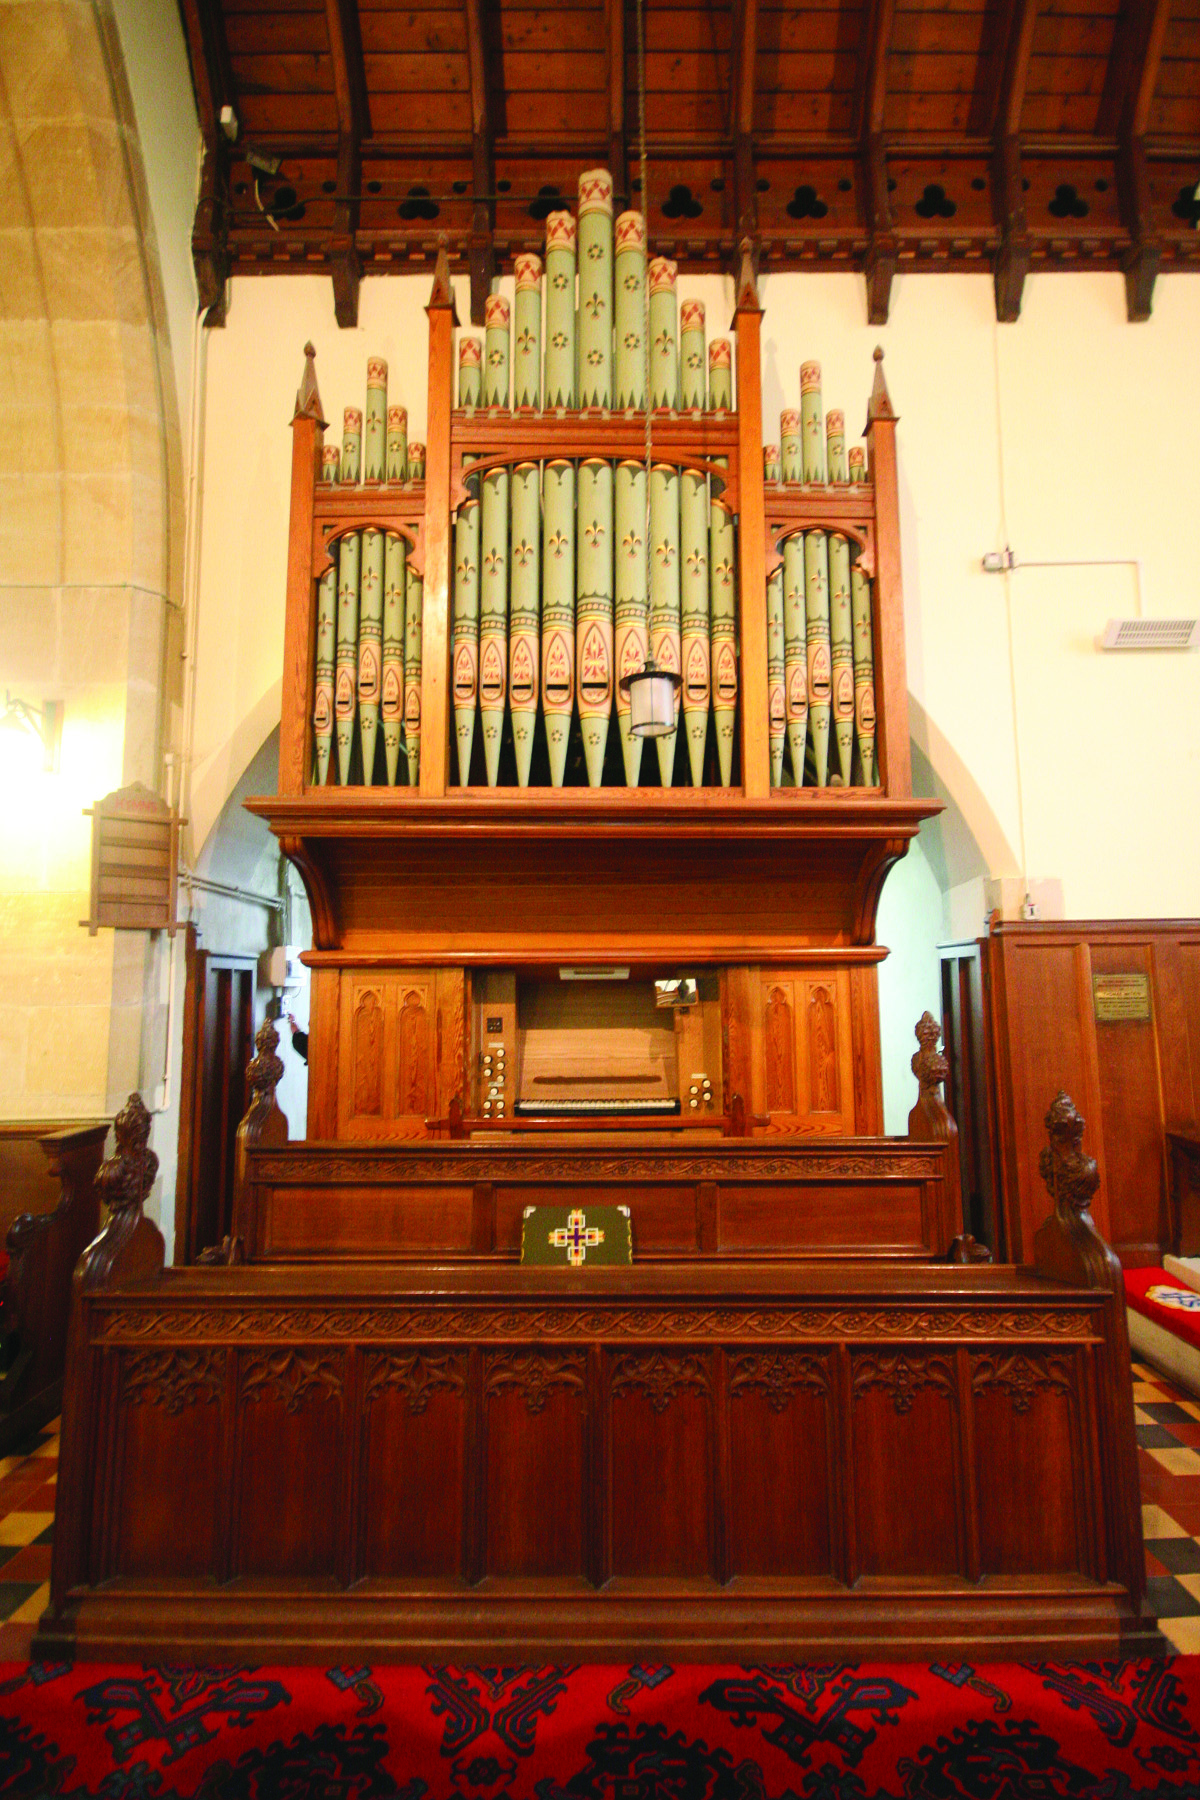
{"points": [[1168, 1302]]}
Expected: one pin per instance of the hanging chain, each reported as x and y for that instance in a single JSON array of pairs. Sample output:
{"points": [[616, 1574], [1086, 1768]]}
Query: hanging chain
{"points": [[641, 77]]}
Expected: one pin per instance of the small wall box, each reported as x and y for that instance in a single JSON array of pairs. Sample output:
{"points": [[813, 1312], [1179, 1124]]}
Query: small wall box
{"points": [[135, 862]]}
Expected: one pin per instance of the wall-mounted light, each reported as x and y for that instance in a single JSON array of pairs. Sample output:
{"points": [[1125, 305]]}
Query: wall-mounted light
{"points": [[23, 726]]}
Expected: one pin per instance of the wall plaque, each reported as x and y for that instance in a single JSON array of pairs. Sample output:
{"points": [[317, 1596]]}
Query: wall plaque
{"points": [[1119, 999]]}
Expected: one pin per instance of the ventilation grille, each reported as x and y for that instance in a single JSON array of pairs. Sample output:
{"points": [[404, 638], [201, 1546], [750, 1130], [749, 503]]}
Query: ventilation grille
{"points": [[1151, 634]]}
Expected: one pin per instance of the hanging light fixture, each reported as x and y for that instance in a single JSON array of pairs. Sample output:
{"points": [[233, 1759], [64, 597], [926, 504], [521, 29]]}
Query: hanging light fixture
{"points": [[651, 690]]}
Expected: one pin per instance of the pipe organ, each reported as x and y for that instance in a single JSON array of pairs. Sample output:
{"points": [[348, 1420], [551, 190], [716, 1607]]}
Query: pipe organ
{"points": [[553, 596], [555, 965]]}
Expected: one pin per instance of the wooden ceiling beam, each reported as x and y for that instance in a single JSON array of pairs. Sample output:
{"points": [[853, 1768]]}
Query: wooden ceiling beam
{"points": [[482, 249], [743, 71], [212, 79], [1015, 251], [1143, 259], [618, 152], [350, 93], [882, 246]]}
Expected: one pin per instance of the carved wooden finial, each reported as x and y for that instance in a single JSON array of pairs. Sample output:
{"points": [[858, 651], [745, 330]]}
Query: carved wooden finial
{"points": [[747, 281], [1070, 1174], [266, 1069], [308, 400], [929, 1064], [880, 404], [442, 294], [126, 1178], [130, 1247]]}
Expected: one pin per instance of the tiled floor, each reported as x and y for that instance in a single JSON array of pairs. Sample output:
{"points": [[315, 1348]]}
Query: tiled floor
{"points": [[1168, 1431], [27, 1493]]}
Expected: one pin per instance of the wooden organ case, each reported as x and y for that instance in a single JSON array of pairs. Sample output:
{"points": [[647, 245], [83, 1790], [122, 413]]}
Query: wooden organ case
{"points": [[802, 1423]]}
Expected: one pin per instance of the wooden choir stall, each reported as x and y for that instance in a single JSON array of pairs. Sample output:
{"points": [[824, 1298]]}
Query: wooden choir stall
{"points": [[559, 963]]}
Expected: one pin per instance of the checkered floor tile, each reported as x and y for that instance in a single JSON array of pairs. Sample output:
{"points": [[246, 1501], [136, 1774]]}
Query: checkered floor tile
{"points": [[1168, 1433], [28, 1483]]}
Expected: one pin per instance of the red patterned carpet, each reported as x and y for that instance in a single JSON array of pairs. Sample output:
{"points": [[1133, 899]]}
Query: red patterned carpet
{"points": [[593, 1733], [943, 1732]]}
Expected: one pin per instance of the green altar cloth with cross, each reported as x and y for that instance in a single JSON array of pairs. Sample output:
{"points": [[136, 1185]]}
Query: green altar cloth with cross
{"points": [[576, 1237]]}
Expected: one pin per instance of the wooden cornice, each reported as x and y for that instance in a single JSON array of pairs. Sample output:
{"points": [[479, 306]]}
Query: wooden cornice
{"points": [[1014, 254], [1137, 50], [212, 80], [481, 247], [350, 93], [618, 155], [882, 246], [742, 69]]}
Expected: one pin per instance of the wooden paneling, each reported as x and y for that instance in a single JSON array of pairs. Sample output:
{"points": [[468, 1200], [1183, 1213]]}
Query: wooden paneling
{"points": [[400, 1054], [698, 1465], [1132, 1079], [736, 1198], [802, 1051]]}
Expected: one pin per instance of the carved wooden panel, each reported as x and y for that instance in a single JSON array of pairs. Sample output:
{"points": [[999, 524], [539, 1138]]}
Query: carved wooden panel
{"points": [[171, 1428], [290, 1417], [1032, 1511], [779, 1463], [906, 1442], [802, 1051], [400, 1053], [414, 1462], [662, 1431], [535, 1493]]}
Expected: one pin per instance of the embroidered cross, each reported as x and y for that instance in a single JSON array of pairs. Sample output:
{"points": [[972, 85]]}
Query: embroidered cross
{"points": [[576, 1237]]}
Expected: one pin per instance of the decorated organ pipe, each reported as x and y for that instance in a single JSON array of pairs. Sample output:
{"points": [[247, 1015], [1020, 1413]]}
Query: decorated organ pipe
{"points": [[795, 653], [722, 570], [558, 611], [470, 373], [416, 462], [664, 335], [835, 446], [370, 647], [630, 312], [864, 675], [524, 644], [464, 648], [594, 610], [495, 355], [493, 616], [414, 591], [691, 356], [397, 443], [595, 328], [391, 701], [632, 606], [560, 309], [777, 722], [375, 436], [665, 594], [527, 334], [694, 615], [812, 435]]}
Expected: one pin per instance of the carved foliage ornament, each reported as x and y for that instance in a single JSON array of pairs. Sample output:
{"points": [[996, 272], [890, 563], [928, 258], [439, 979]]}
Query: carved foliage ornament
{"points": [[135, 1325], [535, 1374], [418, 1374], [904, 1161], [903, 1377], [173, 1379], [777, 1374], [1022, 1374], [291, 1376], [661, 1377]]}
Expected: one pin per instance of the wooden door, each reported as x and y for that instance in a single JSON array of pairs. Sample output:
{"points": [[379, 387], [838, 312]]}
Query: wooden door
{"points": [[968, 1094], [218, 1043]]}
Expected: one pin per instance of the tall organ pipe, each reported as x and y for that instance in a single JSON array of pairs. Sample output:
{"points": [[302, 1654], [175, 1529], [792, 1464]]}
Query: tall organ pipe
{"points": [[595, 329], [632, 602], [524, 648], [558, 611], [594, 610]]}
